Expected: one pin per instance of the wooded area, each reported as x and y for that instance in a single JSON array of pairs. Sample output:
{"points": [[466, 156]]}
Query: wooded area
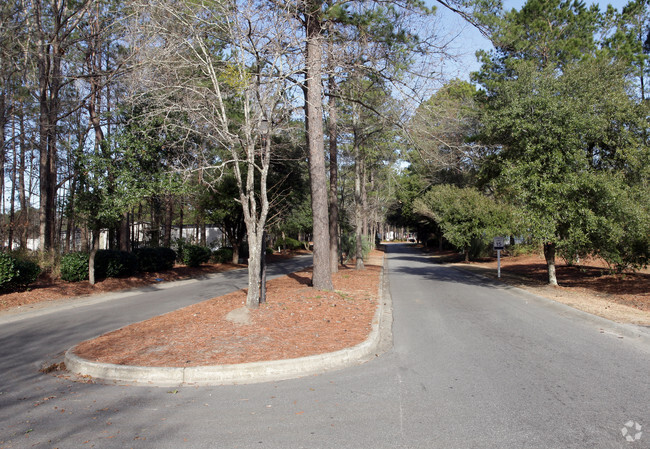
{"points": [[145, 120]]}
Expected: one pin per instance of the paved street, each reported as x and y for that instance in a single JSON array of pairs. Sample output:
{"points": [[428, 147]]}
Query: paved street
{"points": [[474, 365]]}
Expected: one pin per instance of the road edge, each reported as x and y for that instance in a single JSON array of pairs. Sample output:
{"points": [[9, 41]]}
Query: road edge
{"points": [[635, 333]]}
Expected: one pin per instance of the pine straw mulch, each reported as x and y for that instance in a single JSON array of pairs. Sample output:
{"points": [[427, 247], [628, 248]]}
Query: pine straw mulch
{"points": [[295, 321], [47, 289]]}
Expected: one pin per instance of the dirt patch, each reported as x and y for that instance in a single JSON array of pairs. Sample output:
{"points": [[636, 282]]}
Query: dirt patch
{"points": [[295, 321], [589, 286]]}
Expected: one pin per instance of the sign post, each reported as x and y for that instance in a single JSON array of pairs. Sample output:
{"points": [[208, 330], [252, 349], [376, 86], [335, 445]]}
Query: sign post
{"points": [[498, 245]]}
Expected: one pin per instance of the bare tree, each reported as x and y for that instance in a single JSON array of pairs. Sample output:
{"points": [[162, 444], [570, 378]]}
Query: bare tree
{"points": [[220, 74]]}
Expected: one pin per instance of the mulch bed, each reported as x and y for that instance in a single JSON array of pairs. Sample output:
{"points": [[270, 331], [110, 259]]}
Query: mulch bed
{"points": [[295, 321]]}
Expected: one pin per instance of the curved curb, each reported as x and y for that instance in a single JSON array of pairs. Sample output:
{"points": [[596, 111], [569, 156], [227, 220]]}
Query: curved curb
{"points": [[246, 373]]}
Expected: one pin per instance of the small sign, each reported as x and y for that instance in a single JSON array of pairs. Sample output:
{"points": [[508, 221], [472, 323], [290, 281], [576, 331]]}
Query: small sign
{"points": [[498, 243]]}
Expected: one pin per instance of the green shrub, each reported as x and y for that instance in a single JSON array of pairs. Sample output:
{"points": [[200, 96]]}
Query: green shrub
{"points": [[269, 251], [524, 249], [349, 245], [179, 246], [222, 255], [7, 270], [289, 243], [195, 255], [28, 272], [17, 273], [155, 259], [113, 264], [74, 267], [480, 248]]}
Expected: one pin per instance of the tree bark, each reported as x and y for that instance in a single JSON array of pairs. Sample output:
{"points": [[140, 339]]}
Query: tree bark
{"points": [[549, 255], [22, 191], [322, 274], [124, 238], [169, 215], [358, 205], [93, 253], [334, 169]]}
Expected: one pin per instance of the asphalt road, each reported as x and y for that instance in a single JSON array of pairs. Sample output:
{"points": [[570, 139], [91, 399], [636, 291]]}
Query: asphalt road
{"points": [[474, 365]]}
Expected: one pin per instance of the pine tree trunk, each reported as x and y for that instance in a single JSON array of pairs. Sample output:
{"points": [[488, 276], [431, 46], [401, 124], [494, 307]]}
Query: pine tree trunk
{"points": [[334, 169], [322, 274], [169, 215], [358, 206], [124, 237], [22, 191]]}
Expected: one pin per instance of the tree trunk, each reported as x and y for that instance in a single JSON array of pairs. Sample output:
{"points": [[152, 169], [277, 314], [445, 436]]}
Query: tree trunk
{"points": [[235, 252], [334, 169], [93, 253], [124, 238], [22, 191], [254, 271], [322, 274], [180, 220], [549, 255], [169, 215], [358, 206], [14, 168]]}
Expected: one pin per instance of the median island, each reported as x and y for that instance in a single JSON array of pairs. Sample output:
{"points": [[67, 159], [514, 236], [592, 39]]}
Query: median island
{"points": [[296, 321]]}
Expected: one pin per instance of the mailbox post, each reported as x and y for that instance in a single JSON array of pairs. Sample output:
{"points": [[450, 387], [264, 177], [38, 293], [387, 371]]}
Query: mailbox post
{"points": [[498, 246]]}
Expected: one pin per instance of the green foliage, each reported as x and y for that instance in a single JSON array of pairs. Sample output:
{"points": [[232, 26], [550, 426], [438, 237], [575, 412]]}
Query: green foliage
{"points": [[28, 272], [222, 255], [16, 273], [466, 217], [269, 251], [222, 209], [349, 245], [155, 259], [569, 143], [74, 267], [442, 132], [194, 255], [523, 249], [7, 269], [179, 246], [289, 243], [113, 264]]}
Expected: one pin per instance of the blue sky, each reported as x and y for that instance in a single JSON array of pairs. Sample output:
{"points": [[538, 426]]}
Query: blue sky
{"points": [[469, 40]]}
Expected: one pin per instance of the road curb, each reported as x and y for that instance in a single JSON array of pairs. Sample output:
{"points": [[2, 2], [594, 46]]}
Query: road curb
{"points": [[247, 373], [633, 332]]}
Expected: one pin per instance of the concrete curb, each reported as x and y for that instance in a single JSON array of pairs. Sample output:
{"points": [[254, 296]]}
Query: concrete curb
{"points": [[637, 334], [247, 373]]}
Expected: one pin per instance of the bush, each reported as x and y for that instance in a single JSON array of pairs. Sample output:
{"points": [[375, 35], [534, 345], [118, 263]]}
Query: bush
{"points": [[155, 259], [269, 251], [523, 249], [28, 272], [113, 264], [349, 245], [179, 245], [16, 273], [195, 255], [74, 267], [480, 248], [289, 243], [7, 270], [222, 255]]}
